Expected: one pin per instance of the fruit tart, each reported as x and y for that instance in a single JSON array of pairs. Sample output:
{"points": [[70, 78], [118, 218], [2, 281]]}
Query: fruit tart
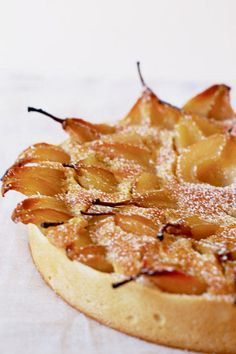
{"points": [[134, 224]]}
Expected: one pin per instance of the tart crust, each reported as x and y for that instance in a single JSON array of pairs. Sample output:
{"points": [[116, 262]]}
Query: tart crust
{"points": [[200, 323]]}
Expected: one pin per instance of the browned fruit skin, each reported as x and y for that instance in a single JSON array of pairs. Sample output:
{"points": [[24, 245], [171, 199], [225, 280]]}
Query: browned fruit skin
{"points": [[93, 255], [82, 131], [217, 168], [191, 129], [136, 224], [97, 178], [41, 209], [43, 152], [155, 191], [29, 180], [185, 284], [149, 110], [212, 103]]}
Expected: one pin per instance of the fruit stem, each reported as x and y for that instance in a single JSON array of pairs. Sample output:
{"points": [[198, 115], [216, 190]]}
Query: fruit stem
{"points": [[97, 214], [123, 282], [141, 77], [32, 109], [45, 224], [143, 272], [69, 165], [111, 204]]}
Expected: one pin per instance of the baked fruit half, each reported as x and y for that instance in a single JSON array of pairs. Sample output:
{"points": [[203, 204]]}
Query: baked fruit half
{"points": [[134, 224]]}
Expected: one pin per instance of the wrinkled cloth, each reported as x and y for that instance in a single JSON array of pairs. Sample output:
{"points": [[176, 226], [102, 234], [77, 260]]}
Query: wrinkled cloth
{"points": [[33, 319]]}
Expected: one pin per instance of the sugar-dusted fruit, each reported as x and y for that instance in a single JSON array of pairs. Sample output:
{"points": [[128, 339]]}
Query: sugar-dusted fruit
{"points": [[177, 282], [217, 167], [193, 162], [42, 209], [43, 152], [136, 224], [146, 182], [29, 180], [83, 131], [151, 111], [98, 178], [212, 103], [122, 151], [92, 255]]}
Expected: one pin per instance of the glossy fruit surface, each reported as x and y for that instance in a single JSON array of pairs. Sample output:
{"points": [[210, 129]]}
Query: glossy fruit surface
{"points": [[152, 196]]}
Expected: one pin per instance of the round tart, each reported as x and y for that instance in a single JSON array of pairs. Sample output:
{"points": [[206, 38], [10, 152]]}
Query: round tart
{"points": [[134, 224]]}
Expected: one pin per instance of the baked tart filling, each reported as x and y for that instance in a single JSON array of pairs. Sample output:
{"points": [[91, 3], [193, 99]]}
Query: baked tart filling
{"points": [[151, 197]]}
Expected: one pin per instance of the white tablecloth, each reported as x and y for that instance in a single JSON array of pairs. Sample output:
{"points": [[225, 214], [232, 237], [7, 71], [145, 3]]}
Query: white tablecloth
{"points": [[34, 320]]}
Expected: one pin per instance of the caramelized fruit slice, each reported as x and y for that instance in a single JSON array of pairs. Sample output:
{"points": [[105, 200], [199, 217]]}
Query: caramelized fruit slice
{"points": [[158, 199], [43, 152], [146, 182], [127, 137], [211, 172], [222, 172], [92, 255], [136, 224], [74, 237], [205, 152], [149, 110], [187, 133], [91, 160], [228, 161], [178, 283], [41, 209], [97, 178], [82, 131], [137, 154], [212, 103], [208, 127], [30, 180], [192, 128], [105, 128], [72, 232], [200, 229]]}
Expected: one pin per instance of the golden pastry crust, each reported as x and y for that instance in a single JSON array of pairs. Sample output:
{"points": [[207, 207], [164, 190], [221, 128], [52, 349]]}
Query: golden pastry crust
{"points": [[200, 323]]}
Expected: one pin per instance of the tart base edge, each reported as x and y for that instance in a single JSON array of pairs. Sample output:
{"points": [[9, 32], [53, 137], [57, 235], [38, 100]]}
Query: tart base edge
{"points": [[199, 323]]}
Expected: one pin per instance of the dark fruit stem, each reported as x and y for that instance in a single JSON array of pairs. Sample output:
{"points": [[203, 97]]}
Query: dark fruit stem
{"points": [[141, 76], [32, 109], [143, 272], [45, 224], [69, 165], [111, 204], [97, 214], [123, 282]]}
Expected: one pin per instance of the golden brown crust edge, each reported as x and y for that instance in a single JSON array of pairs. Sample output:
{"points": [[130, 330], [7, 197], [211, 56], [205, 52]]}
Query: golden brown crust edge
{"points": [[205, 324]]}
